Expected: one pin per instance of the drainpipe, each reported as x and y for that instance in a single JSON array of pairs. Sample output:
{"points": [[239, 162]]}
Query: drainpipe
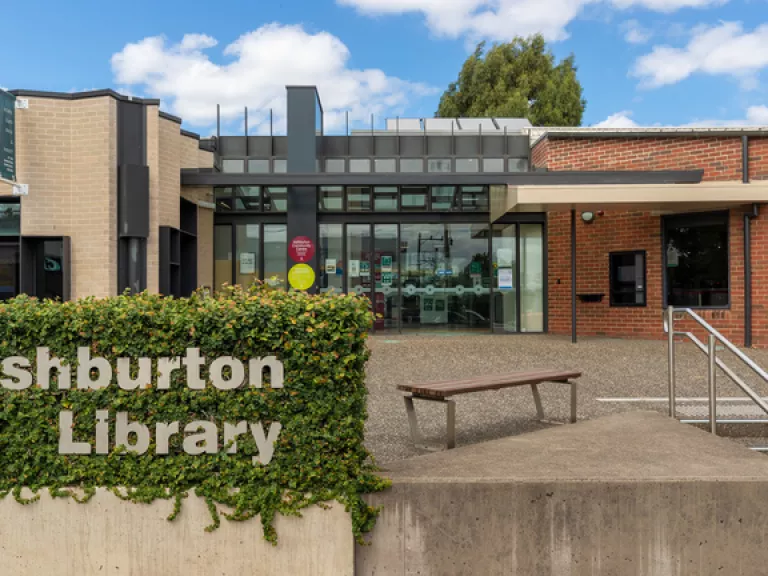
{"points": [[748, 217]]}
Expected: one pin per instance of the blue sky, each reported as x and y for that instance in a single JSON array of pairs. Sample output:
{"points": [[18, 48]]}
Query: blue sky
{"points": [[641, 62]]}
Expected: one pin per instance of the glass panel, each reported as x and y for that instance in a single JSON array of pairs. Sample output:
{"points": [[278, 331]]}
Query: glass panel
{"points": [[697, 260], [532, 278], [260, 166], [223, 197], [518, 165], [10, 219], [411, 165], [385, 165], [359, 165], [275, 255], [229, 165], [53, 283], [413, 198], [359, 259], [467, 277], [222, 250], [280, 165], [334, 165], [493, 164], [385, 198], [358, 198], [248, 254], [443, 198], [474, 199], [331, 198], [504, 280], [467, 165], [422, 248], [387, 276], [275, 199], [247, 198], [439, 165], [9, 270], [627, 276], [331, 258]]}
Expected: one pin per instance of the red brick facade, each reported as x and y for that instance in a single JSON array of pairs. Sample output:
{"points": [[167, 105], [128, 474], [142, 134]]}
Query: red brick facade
{"points": [[721, 159]]}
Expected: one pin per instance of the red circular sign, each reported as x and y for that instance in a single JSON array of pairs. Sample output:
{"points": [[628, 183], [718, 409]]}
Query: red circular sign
{"points": [[301, 249]]}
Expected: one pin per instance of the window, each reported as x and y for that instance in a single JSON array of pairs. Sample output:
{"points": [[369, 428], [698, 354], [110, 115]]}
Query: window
{"points": [[467, 165], [518, 165], [334, 165], [260, 166], [331, 198], [474, 199], [385, 199], [359, 165], [696, 260], [443, 198], [411, 165], [385, 165], [413, 198], [230, 165], [358, 198], [223, 198], [280, 166], [275, 199], [493, 164], [439, 165], [247, 198], [627, 278], [10, 219]]}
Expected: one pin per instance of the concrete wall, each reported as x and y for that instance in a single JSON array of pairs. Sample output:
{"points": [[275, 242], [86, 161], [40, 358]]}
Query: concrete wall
{"points": [[569, 529], [107, 536]]}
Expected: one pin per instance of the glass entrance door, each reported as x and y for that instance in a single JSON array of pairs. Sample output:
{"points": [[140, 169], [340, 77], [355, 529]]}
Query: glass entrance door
{"points": [[9, 270], [387, 276]]}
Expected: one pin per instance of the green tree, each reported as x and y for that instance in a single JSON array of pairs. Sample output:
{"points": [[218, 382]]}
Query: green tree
{"points": [[516, 80]]}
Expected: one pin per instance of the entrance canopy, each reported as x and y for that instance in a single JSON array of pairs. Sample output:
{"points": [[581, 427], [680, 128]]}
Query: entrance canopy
{"points": [[645, 197]]}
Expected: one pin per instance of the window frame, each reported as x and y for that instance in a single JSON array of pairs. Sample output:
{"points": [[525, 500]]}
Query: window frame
{"points": [[612, 302], [681, 220]]}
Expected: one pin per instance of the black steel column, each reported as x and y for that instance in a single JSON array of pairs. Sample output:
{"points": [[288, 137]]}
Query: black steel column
{"points": [[747, 246], [573, 276]]}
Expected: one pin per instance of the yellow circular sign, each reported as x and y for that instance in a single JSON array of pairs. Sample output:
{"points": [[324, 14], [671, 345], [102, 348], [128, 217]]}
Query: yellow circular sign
{"points": [[301, 277]]}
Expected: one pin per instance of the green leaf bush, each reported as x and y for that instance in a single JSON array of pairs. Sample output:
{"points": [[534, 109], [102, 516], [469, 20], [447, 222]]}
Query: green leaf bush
{"points": [[319, 455]]}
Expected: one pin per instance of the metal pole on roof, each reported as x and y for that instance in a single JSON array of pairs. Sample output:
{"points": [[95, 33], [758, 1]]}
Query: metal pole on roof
{"points": [[218, 121], [271, 133], [246, 131], [573, 276]]}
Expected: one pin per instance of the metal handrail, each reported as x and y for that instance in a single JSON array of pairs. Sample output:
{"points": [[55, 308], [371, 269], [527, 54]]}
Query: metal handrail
{"points": [[710, 351]]}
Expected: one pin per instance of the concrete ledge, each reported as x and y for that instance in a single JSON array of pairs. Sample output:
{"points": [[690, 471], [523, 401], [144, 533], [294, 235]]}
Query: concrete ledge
{"points": [[107, 536], [635, 494]]}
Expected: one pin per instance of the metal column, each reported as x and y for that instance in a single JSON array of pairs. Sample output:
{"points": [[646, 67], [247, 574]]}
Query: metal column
{"points": [[573, 276]]}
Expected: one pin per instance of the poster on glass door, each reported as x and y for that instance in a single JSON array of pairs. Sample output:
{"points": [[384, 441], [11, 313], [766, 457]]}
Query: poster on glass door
{"points": [[506, 281]]}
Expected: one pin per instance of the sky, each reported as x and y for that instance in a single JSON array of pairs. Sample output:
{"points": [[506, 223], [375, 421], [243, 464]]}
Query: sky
{"points": [[640, 62]]}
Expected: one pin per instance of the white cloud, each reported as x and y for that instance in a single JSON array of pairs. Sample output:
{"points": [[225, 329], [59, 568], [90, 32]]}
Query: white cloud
{"points": [[755, 116], [725, 49], [503, 19], [261, 63], [618, 120], [634, 33]]}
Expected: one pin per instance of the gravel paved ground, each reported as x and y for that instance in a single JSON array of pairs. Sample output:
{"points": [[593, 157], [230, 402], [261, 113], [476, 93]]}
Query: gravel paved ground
{"points": [[612, 368]]}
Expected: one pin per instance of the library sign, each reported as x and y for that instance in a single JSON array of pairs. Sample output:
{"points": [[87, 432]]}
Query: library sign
{"points": [[199, 437], [7, 136]]}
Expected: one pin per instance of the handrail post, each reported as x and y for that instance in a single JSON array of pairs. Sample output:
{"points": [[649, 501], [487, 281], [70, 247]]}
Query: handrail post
{"points": [[671, 352], [712, 384]]}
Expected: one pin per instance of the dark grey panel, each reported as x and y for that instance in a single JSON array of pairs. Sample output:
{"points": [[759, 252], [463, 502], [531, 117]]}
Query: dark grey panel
{"points": [[467, 146], [360, 145], [518, 146], [412, 146], [259, 146], [385, 146], [232, 146], [194, 178], [280, 146], [439, 146], [302, 220], [302, 129], [335, 146], [493, 146], [131, 133], [133, 201], [66, 267]]}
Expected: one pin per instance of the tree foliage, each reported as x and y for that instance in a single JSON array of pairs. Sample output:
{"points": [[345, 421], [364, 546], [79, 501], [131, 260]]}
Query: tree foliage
{"points": [[516, 80]]}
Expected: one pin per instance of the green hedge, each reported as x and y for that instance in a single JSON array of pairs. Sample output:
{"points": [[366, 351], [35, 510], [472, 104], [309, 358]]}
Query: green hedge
{"points": [[319, 456]]}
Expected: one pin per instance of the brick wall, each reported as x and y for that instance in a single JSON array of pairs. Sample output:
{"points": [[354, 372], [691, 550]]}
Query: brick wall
{"points": [[720, 158]]}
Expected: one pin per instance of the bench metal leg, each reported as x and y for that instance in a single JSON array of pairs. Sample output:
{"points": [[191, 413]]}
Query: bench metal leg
{"points": [[574, 394], [450, 432], [537, 401]]}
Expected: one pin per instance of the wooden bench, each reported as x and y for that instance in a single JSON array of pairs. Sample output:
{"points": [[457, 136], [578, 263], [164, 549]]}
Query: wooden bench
{"points": [[443, 391]]}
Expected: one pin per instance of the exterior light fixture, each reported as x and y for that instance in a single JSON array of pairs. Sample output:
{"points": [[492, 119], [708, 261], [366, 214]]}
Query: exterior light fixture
{"points": [[588, 217]]}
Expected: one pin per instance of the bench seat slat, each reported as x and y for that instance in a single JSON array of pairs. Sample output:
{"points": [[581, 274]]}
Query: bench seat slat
{"points": [[443, 389]]}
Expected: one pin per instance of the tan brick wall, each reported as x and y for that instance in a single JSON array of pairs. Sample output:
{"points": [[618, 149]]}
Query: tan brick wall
{"points": [[189, 147], [170, 172], [153, 161], [204, 159]]}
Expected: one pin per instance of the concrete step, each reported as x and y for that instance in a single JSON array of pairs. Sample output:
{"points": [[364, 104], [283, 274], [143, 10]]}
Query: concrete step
{"points": [[734, 428]]}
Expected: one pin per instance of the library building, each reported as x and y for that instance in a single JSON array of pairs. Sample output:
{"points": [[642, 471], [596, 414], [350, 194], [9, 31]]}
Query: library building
{"points": [[446, 224]]}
